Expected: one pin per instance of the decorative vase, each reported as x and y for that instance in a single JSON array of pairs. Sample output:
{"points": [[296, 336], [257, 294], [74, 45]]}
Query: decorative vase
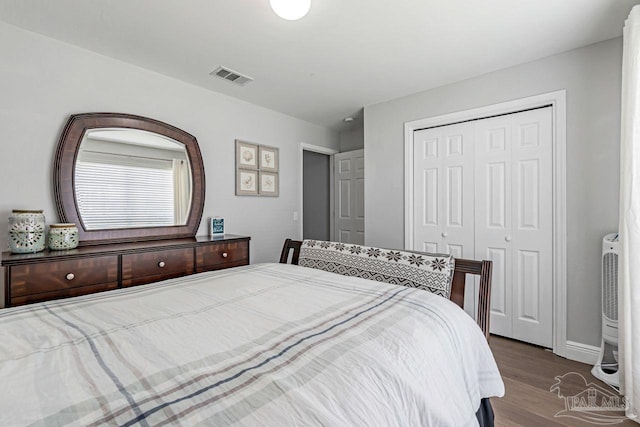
{"points": [[26, 231], [63, 236]]}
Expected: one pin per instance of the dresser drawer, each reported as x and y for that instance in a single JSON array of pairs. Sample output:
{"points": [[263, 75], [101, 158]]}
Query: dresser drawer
{"points": [[147, 267], [48, 280], [62, 293], [222, 255]]}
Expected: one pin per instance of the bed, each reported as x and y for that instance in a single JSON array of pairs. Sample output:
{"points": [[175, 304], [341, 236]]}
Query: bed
{"points": [[267, 344]]}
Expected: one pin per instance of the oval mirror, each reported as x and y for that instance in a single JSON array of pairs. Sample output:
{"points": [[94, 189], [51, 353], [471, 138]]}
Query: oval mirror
{"points": [[128, 178]]}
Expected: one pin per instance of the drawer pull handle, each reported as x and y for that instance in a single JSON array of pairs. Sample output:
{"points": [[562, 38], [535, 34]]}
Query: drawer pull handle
{"points": [[224, 254], [161, 264], [70, 276]]}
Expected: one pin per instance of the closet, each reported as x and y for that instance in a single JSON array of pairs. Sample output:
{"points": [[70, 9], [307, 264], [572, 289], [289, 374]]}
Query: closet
{"points": [[483, 189]]}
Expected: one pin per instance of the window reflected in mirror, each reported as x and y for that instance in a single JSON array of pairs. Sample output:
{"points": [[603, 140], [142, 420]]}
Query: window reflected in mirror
{"points": [[130, 178]]}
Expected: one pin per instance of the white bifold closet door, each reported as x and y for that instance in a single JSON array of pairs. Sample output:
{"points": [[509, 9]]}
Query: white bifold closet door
{"points": [[443, 194], [514, 221], [483, 190]]}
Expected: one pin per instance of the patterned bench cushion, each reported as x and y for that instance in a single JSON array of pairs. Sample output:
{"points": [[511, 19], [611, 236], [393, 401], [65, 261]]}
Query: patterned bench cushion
{"points": [[432, 273]]}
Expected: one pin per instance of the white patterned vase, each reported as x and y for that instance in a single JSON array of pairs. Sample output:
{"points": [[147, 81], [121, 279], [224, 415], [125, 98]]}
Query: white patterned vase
{"points": [[26, 231], [63, 236]]}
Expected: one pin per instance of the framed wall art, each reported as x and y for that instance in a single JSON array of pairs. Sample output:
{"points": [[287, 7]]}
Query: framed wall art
{"points": [[268, 157], [268, 184], [246, 155], [246, 182], [257, 168]]}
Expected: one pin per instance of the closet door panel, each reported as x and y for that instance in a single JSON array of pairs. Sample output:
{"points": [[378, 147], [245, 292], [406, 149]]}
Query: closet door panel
{"points": [[457, 189], [496, 199], [483, 189], [430, 199], [454, 194], [429, 247], [457, 200], [499, 298], [443, 195], [426, 195], [493, 139], [528, 282], [532, 227]]}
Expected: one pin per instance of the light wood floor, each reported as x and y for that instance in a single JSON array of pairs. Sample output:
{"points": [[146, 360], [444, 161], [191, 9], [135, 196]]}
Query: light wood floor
{"points": [[528, 373]]}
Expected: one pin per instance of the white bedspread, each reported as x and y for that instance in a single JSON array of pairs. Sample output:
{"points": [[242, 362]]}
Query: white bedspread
{"points": [[267, 344]]}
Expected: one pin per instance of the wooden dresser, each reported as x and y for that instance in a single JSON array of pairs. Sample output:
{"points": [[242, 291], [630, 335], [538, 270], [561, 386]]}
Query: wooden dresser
{"points": [[50, 275]]}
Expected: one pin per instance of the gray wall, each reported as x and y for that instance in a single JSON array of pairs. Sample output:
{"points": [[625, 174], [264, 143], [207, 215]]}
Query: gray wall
{"points": [[353, 138], [43, 81], [316, 202], [592, 79]]}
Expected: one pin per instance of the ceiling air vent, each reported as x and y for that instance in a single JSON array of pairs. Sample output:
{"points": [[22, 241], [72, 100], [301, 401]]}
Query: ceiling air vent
{"points": [[232, 76]]}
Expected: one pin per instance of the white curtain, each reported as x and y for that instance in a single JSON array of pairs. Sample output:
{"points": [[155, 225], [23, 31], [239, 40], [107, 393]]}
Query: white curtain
{"points": [[181, 190], [629, 283]]}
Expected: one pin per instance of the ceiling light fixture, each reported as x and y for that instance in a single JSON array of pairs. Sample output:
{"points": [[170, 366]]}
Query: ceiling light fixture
{"points": [[347, 119], [290, 9]]}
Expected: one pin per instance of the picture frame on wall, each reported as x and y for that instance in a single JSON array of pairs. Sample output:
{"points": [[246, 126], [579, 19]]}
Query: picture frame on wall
{"points": [[268, 184], [268, 158], [257, 169], [246, 182], [246, 155]]}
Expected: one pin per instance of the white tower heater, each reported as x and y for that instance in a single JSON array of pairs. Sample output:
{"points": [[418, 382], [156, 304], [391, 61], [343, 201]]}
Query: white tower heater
{"points": [[606, 369]]}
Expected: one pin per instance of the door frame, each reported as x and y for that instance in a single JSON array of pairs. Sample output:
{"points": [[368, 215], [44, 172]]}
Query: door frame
{"points": [[557, 100], [322, 150]]}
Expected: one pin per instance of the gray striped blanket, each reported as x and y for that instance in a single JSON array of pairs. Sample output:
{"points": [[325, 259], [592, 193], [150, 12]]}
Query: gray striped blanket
{"points": [[267, 344]]}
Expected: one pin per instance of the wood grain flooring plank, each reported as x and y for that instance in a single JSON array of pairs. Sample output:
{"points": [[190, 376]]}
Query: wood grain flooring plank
{"points": [[529, 372]]}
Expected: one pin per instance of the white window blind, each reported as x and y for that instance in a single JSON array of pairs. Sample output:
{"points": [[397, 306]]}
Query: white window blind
{"points": [[112, 195]]}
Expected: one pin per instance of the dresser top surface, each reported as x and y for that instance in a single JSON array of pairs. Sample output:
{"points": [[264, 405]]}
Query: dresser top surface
{"points": [[9, 258]]}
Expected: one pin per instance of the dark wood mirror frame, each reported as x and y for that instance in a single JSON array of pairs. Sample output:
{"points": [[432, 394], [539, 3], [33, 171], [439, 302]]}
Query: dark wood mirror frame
{"points": [[64, 172]]}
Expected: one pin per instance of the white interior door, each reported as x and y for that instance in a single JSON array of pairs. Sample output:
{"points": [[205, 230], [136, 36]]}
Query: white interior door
{"points": [[514, 221], [532, 231], [443, 194], [483, 190], [493, 214], [349, 194]]}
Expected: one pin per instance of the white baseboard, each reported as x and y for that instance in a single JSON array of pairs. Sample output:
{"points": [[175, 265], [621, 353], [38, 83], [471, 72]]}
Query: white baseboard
{"points": [[584, 353]]}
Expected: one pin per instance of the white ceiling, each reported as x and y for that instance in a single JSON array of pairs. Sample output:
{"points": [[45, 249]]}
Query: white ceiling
{"points": [[345, 54]]}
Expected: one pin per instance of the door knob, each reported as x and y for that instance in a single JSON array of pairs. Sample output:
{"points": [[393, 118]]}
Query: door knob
{"points": [[444, 234], [507, 238]]}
